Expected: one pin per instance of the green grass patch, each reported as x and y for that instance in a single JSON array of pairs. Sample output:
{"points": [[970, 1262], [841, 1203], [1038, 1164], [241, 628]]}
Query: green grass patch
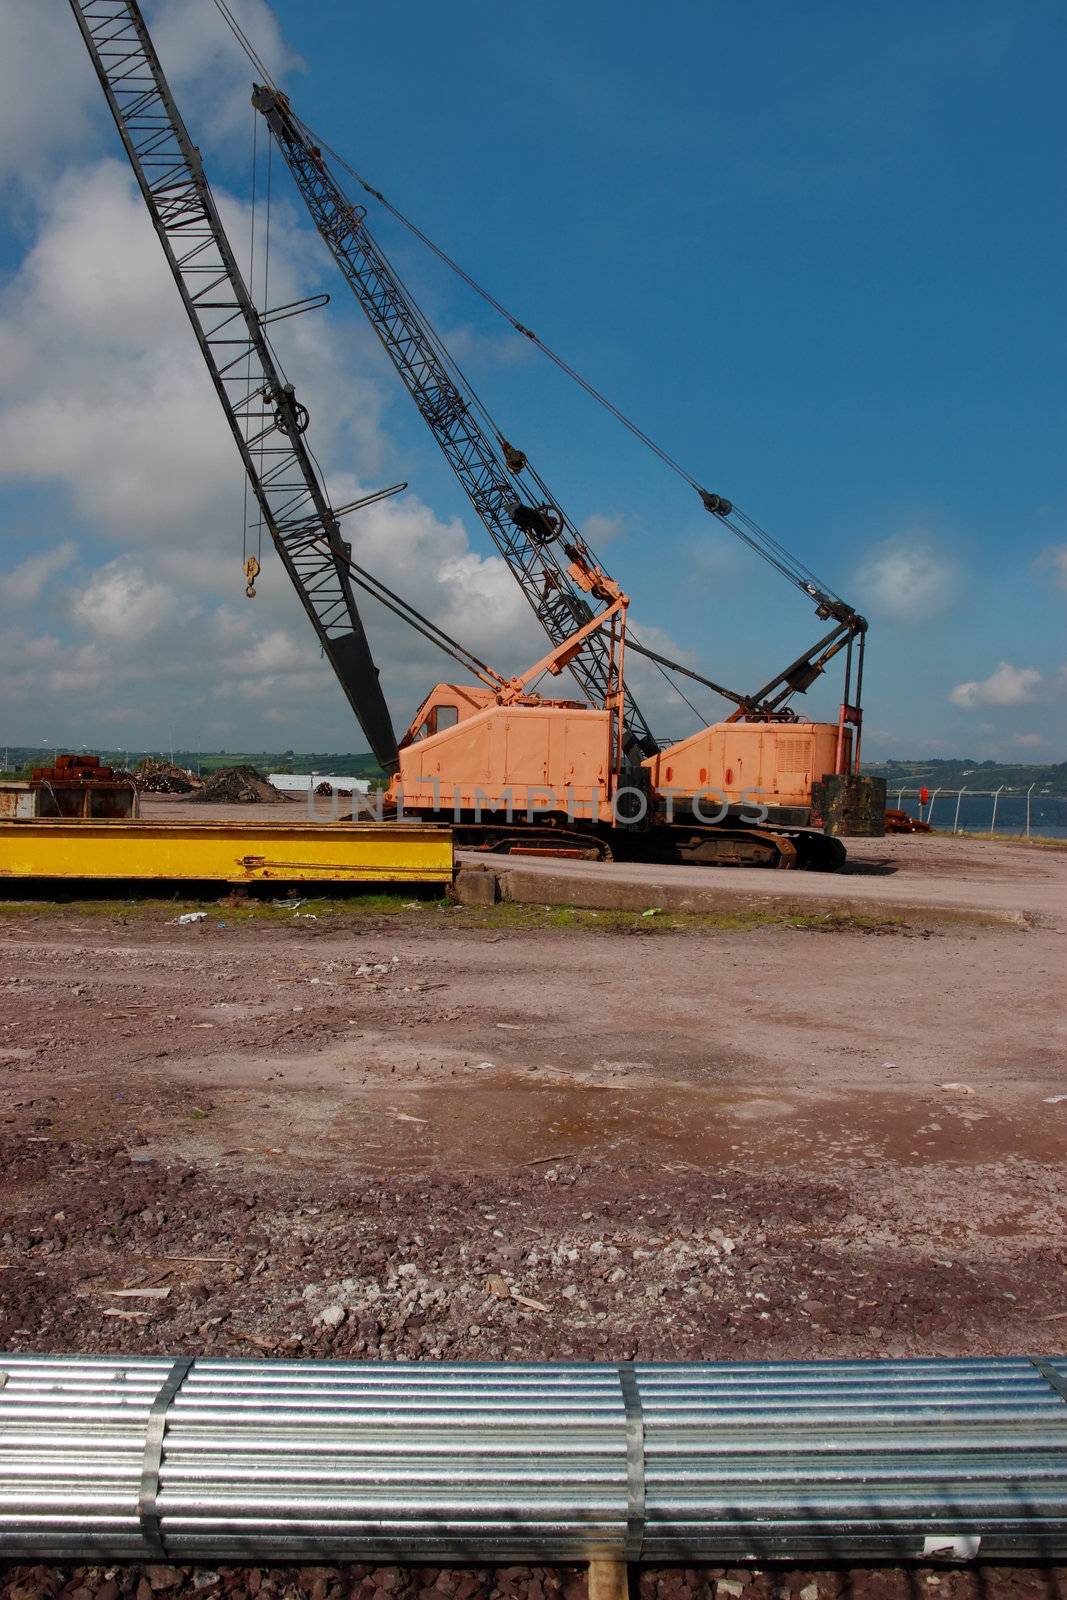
{"points": [[229, 909], [508, 915], [408, 907], [438, 912]]}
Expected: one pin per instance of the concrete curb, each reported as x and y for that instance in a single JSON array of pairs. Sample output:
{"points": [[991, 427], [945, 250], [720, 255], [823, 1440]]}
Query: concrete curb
{"points": [[485, 884]]}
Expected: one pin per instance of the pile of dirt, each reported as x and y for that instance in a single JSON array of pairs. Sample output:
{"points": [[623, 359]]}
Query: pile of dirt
{"points": [[238, 786], [163, 777]]}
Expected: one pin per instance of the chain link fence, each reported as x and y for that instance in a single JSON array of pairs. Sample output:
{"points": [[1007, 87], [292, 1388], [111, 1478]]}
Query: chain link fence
{"points": [[1011, 812]]}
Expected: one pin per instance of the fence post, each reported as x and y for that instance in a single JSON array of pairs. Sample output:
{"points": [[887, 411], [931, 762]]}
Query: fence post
{"points": [[956, 818], [993, 824], [900, 796], [1029, 792], [930, 807]]}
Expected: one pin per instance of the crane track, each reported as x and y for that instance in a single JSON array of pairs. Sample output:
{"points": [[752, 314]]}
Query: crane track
{"points": [[784, 848]]}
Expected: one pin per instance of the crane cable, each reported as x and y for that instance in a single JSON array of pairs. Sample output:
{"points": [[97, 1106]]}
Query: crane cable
{"points": [[757, 537], [243, 40], [491, 300], [256, 562], [248, 358], [744, 527], [442, 351]]}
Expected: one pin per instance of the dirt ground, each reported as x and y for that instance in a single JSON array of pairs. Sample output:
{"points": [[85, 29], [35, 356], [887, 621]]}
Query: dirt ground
{"points": [[324, 1127]]}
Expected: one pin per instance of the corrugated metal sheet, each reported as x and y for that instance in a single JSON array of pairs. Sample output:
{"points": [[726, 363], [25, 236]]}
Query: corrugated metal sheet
{"points": [[458, 1462]]}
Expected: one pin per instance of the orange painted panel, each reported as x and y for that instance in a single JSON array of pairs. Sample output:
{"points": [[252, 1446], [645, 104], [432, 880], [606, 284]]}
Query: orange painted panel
{"points": [[527, 749], [778, 760]]}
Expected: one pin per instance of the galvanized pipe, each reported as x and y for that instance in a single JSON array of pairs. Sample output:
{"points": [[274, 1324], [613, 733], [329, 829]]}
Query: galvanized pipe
{"points": [[443, 1462]]}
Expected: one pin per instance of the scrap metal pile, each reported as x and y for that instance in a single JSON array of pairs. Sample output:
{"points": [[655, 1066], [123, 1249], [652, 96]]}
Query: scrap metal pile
{"points": [[163, 777], [82, 786], [241, 785]]}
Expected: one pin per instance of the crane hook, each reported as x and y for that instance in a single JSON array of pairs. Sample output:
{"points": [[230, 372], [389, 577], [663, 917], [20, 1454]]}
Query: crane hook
{"points": [[251, 571]]}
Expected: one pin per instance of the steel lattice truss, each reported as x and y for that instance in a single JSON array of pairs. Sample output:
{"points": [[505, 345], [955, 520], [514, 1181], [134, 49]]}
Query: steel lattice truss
{"points": [[264, 416], [492, 487]]}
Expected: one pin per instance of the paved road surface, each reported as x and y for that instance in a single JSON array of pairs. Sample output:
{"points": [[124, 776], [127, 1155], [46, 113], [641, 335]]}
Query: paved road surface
{"points": [[909, 870]]}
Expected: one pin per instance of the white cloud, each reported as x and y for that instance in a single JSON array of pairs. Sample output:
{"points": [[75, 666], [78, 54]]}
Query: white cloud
{"points": [[102, 387], [660, 695], [907, 579], [431, 564], [26, 581], [1007, 686], [209, 72], [105, 402], [1030, 741], [715, 557], [470, 347], [46, 83], [116, 410], [1055, 557], [276, 651], [601, 529], [50, 100], [122, 602]]}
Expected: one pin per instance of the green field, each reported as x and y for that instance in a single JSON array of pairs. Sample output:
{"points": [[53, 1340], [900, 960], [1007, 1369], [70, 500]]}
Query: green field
{"points": [[18, 759], [937, 772], [958, 772]]}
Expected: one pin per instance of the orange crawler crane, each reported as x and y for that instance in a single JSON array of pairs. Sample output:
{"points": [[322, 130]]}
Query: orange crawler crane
{"points": [[763, 750], [519, 773], [511, 769]]}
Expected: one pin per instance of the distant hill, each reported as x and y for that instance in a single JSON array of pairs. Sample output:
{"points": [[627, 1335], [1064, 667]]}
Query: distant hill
{"points": [[15, 758], [953, 772], [963, 773]]}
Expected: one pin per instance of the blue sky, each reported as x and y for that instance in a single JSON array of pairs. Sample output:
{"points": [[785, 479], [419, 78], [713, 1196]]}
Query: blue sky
{"points": [[816, 251]]}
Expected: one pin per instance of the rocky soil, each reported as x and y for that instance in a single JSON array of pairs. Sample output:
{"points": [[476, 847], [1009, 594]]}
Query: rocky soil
{"points": [[408, 1133], [528, 1583]]}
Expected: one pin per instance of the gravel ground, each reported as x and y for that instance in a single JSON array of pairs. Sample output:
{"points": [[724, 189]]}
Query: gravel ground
{"points": [[342, 1131], [530, 1583]]}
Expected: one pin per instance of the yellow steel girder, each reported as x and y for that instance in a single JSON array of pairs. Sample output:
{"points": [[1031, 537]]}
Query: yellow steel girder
{"points": [[231, 852]]}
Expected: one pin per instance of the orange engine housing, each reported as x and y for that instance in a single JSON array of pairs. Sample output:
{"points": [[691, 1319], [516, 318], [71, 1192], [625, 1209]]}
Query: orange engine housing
{"points": [[464, 750], [775, 762]]}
